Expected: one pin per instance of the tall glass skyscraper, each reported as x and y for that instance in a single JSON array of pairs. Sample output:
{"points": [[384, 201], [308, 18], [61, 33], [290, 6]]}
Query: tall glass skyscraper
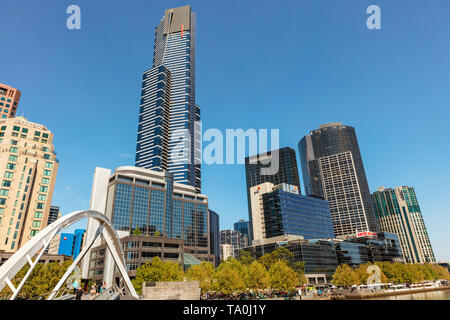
{"points": [[332, 168], [169, 120]]}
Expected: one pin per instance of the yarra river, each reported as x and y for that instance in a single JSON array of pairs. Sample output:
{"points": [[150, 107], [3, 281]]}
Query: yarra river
{"points": [[431, 295]]}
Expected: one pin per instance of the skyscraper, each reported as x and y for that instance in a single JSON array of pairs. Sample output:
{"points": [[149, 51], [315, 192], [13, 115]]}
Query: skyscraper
{"points": [[398, 212], [332, 168], [282, 159], [9, 100], [279, 210], [169, 130], [28, 170], [242, 226]]}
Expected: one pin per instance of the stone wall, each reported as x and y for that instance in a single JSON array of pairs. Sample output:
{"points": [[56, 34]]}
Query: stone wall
{"points": [[171, 290]]}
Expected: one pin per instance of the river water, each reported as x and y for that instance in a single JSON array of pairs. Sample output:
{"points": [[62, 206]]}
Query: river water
{"points": [[432, 295]]}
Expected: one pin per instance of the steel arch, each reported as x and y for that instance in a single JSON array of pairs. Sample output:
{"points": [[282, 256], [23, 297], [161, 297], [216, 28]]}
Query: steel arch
{"points": [[42, 240]]}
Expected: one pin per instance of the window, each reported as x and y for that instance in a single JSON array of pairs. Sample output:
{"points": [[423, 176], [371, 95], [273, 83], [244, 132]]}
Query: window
{"points": [[33, 232], [16, 128], [47, 172], [45, 135], [14, 142], [10, 166], [45, 180], [13, 158], [41, 197], [49, 164], [39, 205], [2, 201], [46, 156], [4, 192], [6, 183], [38, 214], [37, 133], [36, 224], [12, 149], [24, 130], [43, 189]]}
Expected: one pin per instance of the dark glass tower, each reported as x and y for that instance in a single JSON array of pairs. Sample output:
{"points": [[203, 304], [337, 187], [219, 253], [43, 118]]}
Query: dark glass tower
{"points": [[332, 168], [169, 128], [254, 172]]}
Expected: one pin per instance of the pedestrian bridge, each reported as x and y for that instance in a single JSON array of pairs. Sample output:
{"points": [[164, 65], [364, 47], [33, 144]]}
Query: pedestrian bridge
{"points": [[39, 243]]}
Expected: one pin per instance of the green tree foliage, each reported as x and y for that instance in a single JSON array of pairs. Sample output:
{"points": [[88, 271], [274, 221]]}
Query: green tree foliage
{"points": [[229, 277], [42, 280], [204, 272], [137, 231], [246, 258], [362, 274], [282, 277], [257, 276], [155, 271], [281, 254], [345, 276], [299, 268]]}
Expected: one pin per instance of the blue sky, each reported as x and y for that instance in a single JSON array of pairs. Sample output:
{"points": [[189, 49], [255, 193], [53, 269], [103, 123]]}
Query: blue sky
{"points": [[291, 65]]}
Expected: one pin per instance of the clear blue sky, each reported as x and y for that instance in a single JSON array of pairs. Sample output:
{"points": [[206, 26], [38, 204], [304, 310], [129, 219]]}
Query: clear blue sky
{"points": [[291, 65]]}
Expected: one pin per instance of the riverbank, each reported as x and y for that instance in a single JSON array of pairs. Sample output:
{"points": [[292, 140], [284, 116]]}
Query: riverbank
{"points": [[383, 293]]}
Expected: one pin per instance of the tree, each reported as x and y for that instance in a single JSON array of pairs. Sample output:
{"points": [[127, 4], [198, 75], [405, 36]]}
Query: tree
{"points": [[282, 277], [204, 272], [137, 231], [155, 271], [42, 280], [246, 258], [299, 268], [229, 277], [363, 276], [257, 276], [345, 276], [281, 254]]}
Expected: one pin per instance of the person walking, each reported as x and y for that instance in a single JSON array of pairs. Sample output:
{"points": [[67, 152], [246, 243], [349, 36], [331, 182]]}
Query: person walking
{"points": [[78, 294], [93, 291]]}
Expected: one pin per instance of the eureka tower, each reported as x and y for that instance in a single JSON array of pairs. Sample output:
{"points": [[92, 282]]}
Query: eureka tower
{"points": [[169, 133]]}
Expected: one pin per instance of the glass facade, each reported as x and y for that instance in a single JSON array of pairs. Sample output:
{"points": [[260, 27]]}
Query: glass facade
{"points": [[159, 209], [287, 173], [168, 131], [243, 227], [214, 235], [385, 246], [289, 213]]}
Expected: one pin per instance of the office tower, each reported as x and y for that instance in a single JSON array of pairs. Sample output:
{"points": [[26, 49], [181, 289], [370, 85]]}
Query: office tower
{"points": [[71, 243], [28, 173], [99, 191], [54, 214], [214, 235], [332, 168], [242, 226], [280, 210], [369, 247], [284, 163], [9, 100], [235, 238], [169, 133], [147, 202], [398, 212]]}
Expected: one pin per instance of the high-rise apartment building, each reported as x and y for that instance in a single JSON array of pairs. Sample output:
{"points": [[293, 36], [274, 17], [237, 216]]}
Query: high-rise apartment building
{"points": [[398, 212], [28, 173], [169, 132], [283, 169], [9, 101], [332, 168], [279, 210]]}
